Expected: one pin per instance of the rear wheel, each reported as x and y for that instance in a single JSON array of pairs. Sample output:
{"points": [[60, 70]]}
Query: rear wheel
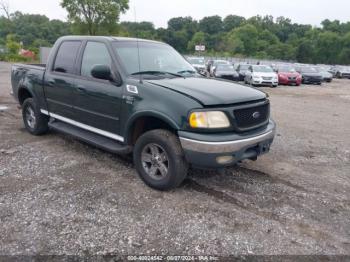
{"points": [[159, 159], [35, 122]]}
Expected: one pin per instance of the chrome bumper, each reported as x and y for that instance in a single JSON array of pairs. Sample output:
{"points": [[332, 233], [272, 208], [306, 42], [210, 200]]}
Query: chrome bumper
{"points": [[225, 147]]}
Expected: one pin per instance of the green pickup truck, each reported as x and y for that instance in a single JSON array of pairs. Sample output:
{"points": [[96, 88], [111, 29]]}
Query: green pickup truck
{"points": [[141, 97]]}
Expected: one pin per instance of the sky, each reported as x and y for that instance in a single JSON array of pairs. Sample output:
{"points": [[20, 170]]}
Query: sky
{"points": [[160, 11]]}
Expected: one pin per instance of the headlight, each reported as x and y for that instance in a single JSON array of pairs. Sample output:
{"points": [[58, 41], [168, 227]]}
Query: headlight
{"points": [[256, 77], [211, 119]]}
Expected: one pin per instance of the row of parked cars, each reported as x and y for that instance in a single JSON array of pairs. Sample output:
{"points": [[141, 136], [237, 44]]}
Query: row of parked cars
{"points": [[269, 74]]}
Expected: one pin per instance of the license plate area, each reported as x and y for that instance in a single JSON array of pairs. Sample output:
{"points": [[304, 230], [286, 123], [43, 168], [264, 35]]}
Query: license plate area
{"points": [[263, 148]]}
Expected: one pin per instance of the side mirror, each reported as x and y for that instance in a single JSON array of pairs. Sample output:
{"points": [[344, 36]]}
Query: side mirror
{"points": [[102, 72]]}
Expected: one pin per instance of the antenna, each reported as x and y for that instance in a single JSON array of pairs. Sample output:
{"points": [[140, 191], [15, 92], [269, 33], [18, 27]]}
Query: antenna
{"points": [[138, 48]]}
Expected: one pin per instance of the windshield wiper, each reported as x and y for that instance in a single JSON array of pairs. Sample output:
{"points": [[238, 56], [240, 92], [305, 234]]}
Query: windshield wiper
{"points": [[186, 71], [156, 73]]}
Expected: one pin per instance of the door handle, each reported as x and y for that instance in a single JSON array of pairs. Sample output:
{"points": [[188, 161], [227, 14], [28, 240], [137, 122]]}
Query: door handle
{"points": [[51, 83]]}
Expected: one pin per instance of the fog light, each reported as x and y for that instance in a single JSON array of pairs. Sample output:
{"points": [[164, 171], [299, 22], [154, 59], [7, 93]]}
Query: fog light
{"points": [[222, 160]]}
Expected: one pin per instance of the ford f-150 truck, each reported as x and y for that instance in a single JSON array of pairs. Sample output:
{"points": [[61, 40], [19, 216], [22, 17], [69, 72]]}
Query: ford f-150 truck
{"points": [[141, 97]]}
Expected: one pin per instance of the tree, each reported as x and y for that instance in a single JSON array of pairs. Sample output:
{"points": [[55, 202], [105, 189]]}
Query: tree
{"points": [[327, 48], [92, 15], [243, 39], [232, 21], [5, 8], [305, 51], [211, 24], [12, 45], [139, 30], [199, 38]]}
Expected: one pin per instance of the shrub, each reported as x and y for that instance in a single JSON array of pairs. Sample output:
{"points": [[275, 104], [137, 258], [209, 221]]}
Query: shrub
{"points": [[16, 58]]}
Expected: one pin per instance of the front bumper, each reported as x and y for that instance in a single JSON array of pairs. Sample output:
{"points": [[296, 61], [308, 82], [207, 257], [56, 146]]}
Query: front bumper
{"points": [[288, 81], [234, 148], [228, 77], [310, 80], [268, 82]]}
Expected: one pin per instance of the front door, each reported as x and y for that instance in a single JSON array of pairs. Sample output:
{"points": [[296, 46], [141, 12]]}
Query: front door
{"points": [[97, 102]]}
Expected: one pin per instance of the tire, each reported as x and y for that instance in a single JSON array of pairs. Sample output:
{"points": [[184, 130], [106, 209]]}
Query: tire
{"points": [[35, 122], [251, 83], [149, 159]]}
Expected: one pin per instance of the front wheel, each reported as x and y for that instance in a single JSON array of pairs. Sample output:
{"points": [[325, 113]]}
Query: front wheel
{"points": [[159, 159], [35, 122]]}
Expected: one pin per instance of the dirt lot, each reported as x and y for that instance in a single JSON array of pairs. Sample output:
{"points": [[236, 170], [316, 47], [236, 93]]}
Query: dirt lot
{"points": [[60, 196]]}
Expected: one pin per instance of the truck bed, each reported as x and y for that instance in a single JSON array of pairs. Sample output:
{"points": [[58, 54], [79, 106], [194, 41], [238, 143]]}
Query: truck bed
{"points": [[31, 74]]}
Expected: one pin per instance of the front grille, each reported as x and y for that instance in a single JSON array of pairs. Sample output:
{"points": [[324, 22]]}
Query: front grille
{"points": [[228, 77], [292, 78], [251, 117]]}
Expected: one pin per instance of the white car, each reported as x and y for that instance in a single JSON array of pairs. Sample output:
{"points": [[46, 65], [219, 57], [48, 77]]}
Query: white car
{"points": [[259, 75], [198, 63]]}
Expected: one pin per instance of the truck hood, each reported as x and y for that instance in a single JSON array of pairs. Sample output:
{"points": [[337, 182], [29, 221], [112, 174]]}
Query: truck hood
{"points": [[211, 92]]}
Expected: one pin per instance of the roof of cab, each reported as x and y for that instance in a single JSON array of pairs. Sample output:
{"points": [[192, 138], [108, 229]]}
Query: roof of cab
{"points": [[106, 38]]}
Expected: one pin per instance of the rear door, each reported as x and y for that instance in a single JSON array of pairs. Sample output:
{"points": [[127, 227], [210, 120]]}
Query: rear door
{"points": [[59, 81], [97, 102]]}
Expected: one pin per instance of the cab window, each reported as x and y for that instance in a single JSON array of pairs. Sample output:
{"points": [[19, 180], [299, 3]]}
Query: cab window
{"points": [[66, 56], [95, 53]]}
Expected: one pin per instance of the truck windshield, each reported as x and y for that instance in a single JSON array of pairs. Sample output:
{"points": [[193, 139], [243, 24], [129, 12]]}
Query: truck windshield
{"points": [[155, 58]]}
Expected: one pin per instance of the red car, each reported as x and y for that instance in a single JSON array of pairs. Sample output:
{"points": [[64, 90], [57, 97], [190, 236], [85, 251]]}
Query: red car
{"points": [[287, 75]]}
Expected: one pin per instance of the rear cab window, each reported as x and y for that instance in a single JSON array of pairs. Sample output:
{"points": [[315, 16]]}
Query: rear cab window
{"points": [[66, 57]]}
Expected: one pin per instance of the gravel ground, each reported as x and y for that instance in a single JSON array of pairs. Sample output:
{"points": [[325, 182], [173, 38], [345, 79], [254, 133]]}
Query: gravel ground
{"points": [[61, 196]]}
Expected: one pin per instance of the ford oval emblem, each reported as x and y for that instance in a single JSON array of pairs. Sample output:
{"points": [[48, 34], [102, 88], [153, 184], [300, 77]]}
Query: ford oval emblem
{"points": [[256, 115]]}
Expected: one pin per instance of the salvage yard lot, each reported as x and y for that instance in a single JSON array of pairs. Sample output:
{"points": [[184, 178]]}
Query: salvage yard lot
{"points": [[61, 196]]}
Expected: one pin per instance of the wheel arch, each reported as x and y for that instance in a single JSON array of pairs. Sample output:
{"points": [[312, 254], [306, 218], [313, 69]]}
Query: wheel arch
{"points": [[23, 93], [142, 122]]}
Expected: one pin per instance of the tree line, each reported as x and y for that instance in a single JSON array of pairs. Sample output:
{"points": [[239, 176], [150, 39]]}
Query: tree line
{"points": [[262, 37]]}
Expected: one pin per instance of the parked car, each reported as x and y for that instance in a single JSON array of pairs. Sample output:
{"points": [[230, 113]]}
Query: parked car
{"points": [[160, 110], [242, 69], [258, 75], [287, 75], [216, 63], [340, 71], [198, 63], [226, 72], [310, 75], [326, 76]]}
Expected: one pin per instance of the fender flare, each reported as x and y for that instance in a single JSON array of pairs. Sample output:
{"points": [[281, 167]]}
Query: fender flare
{"points": [[23, 87], [148, 113]]}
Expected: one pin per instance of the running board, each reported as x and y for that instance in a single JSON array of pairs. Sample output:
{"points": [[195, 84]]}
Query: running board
{"points": [[102, 142]]}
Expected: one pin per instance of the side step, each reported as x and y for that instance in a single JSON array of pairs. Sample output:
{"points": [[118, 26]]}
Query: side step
{"points": [[102, 142]]}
